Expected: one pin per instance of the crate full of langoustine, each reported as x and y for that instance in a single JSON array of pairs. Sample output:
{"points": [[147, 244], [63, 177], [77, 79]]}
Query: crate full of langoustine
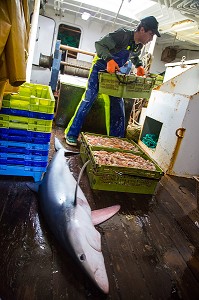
{"points": [[122, 171], [99, 141]]}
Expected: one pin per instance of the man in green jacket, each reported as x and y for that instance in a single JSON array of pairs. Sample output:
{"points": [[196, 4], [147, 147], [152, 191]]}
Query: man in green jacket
{"points": [[113, 51]]}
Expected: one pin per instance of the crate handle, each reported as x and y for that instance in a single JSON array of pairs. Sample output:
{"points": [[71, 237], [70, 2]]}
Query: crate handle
{"points": [[123, 82]]}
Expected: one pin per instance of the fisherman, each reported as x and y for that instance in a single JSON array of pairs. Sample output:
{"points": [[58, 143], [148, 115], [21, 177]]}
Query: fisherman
{"points": [[112, 52]]}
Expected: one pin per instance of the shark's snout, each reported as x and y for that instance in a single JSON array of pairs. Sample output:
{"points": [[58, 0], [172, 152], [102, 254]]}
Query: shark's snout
{"points": [[102, 281]]}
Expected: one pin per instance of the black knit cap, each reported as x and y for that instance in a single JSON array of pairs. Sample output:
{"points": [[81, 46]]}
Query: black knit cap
{"points": [[151, 23]]}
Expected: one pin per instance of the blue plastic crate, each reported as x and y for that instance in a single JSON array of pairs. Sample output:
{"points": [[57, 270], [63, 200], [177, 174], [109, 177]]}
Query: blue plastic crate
{"points": [[24, 151], [22, 157], [32, 146], [26, 113], [23, 162], [21, 135], [35, 172]]}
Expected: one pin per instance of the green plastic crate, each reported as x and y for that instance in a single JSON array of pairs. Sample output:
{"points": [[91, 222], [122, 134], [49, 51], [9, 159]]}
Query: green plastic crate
{"points": [[126, 86], [135, 148], [119, 179], [121, 183], [31, 97], [158, 79], [37, 90], [8, 121]]}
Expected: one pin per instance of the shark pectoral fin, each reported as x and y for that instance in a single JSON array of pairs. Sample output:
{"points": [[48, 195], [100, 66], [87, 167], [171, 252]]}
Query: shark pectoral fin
{"points": [[34, 186], [101, 215]]}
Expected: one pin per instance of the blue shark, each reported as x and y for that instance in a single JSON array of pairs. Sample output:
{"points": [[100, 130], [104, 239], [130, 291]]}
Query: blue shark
{"points": [[69, 216]]}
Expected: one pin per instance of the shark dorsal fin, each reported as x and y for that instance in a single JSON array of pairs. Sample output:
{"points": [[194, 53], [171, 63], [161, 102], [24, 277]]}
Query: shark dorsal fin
{"points": [[78, 181], [58, 145], [101, 215]]}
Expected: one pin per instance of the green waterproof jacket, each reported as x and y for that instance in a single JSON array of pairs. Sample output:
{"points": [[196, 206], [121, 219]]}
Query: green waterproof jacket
{"points": [[121, 39]]}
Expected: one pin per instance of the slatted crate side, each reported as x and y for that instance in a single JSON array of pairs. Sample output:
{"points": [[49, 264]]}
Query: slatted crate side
{"points": [[24, 154], [15, 151], [30, 103], [109, 85], [36, 172], [17, 122], [25, 145], [20, 135], [26, 113], [127, 86], [25, 160], [24, 120], [140, 88], [121, 182], [119, 179]]}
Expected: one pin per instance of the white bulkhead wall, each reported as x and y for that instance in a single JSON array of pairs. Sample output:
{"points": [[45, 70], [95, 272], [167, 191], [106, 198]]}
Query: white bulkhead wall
{"points": [[90, 30]]}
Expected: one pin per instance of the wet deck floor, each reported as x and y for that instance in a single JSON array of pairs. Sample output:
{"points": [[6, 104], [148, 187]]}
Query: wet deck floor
{"points": [[150, 247]]}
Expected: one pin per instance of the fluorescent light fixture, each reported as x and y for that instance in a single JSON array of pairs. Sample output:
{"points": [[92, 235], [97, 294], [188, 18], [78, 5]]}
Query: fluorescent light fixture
{"points": [[183, 25], [85, 15], [184, 28]]}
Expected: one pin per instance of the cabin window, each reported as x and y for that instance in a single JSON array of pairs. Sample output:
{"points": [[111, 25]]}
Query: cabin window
{"points": [[69, 36]]}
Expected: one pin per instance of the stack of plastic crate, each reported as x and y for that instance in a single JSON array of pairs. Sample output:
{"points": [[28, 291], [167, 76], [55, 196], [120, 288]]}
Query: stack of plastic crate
{"points": [[25, 129]]}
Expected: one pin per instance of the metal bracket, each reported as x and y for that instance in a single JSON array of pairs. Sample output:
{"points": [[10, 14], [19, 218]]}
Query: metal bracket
{"points": [[183, 65]]}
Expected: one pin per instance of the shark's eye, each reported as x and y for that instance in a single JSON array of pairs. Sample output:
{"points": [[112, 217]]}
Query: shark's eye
{"points": [[82, 257]]}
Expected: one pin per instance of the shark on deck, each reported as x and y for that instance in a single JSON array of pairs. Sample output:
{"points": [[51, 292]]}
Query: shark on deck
{"points": [[69, 216]]}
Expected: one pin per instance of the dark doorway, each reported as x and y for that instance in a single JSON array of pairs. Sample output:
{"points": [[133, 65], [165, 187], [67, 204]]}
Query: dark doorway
{"points": [[69, 36]]}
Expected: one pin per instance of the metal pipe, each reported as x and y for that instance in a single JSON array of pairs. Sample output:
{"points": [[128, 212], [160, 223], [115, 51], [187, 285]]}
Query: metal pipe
{"points": [[118, 12], [74, 66], [174, 2], [77, 50]]}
